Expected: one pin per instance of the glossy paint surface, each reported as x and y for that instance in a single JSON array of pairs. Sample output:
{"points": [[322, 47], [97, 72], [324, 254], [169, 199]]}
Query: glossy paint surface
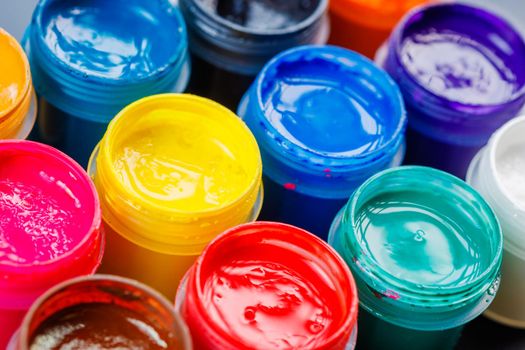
{"points": [[510, 168], [46, 208], [470, 72], [288, 293], [100, 326], [118, 41]]}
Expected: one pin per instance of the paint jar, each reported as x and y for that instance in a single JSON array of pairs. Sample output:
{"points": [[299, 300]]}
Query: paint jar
{"points": [[268, 285], [91, 59], [364, 25], [455, 101], [425, 250], [498, 173], [49, 226], [326, 119], [231, 40], [102, 312], [17, 98], [173, 171]]}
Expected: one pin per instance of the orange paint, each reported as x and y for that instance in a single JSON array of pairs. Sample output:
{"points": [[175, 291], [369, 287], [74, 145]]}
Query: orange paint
{"points": [[16, 90], [363, 25]]}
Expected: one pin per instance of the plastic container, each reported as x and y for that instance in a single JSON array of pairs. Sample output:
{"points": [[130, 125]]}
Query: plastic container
{"points": [[363, 25], [455, 101], [498, 173], [326, 119], [268, 286], [91, 59], [90, 312], [17, 98], [425, 250], [50, 226], [231, 40], [173, 171]]}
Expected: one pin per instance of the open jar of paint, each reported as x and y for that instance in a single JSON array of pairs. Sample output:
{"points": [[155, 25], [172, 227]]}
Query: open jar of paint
{"points": [[231, 40], [17, 98], [269, 286], [425, 250], [102, 312], [460, 69], [326, 119], [50, 226], [173, 171], [498, 173], [90, 59], [363, 25]]}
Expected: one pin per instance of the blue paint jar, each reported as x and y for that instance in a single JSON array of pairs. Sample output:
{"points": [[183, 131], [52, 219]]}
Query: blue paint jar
{"points": [[326, 119], [460, 69], [90, 59]]}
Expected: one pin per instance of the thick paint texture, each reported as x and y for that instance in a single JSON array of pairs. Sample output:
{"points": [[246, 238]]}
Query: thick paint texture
{"points": [[286, 294], [124, 41], [262, 15], [455, 102], [510, 167], [326, 119], [200, 169], [45, 209], [14, 73], [100, 326]]}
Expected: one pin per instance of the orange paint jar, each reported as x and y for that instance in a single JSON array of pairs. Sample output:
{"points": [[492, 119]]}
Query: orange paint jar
{"points": [[363, 25], [17, 97]]}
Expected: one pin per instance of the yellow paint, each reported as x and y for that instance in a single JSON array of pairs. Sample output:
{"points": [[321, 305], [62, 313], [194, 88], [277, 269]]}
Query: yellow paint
{"points": [[15, 86], [173, 171]]}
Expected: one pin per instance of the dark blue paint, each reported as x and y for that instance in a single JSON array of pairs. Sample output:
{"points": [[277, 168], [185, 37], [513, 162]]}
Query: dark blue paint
{"points": [[92, 58], [326, 119]]}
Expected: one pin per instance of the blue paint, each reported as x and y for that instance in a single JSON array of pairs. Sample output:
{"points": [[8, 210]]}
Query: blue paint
{"points": [[92, 58], [326, 119]]}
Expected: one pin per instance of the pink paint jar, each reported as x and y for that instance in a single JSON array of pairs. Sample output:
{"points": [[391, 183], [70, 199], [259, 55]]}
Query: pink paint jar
{"points": [[50, 226]]}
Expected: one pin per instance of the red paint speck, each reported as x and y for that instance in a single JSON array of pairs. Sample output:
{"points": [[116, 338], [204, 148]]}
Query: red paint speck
{"points": [[290, 186], [327, 170], [392, 295]]}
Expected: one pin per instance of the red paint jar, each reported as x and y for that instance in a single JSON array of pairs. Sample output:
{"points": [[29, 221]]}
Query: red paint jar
{"points": [[102, 311], [269, 286]]}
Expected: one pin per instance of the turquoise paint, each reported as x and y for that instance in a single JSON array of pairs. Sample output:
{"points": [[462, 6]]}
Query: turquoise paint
{"points": [[425, 250]]}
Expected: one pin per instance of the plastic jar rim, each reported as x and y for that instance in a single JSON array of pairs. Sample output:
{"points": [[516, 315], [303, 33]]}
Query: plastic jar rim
{"points": [[238, 231], [358, 60], [396, 42], [66, 161], [66, 68], [473, 287], [165, 304], [242, 30], [107, 147], [27, 81]]}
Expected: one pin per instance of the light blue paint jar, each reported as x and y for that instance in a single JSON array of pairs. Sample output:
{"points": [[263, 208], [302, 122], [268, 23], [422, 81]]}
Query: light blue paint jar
{"points": [[90, 59], [326, 119]]}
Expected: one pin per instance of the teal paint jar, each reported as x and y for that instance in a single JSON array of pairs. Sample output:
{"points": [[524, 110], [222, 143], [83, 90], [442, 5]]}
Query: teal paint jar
{"points": [[425, 250]]}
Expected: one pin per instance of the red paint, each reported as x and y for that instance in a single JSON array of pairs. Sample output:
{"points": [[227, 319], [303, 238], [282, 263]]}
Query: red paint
{"points": [[290, 186], [270, 286], [49, 224]]}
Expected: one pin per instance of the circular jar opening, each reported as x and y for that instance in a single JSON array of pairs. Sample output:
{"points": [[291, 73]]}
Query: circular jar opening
{"points": [[330, 102], [422, 241], [266, 285], [103, 312], [483, 65], [48, 204], [122, 40], [264, 16], [172, 164]]}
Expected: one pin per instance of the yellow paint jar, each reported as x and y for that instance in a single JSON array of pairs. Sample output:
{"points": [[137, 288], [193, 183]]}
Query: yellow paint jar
{"points": [[17, 97], [173, 171]]}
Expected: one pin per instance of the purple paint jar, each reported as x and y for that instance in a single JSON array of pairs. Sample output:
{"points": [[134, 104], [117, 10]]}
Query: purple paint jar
{"points": [[461, 70]]}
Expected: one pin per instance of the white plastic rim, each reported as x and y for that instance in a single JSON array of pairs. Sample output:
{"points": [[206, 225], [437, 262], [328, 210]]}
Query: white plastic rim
{"points": [[29, 120], [483, 175]]}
